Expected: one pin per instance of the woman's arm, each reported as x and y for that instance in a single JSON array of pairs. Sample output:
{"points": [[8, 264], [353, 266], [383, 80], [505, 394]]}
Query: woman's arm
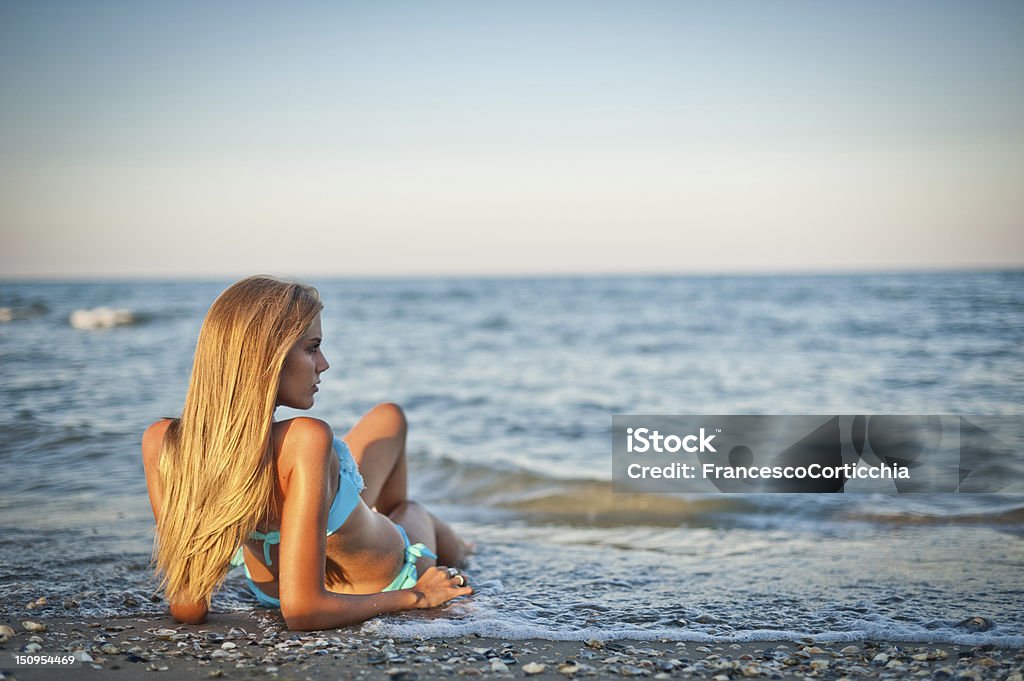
{"points": [[152, 443], [305, 603]]}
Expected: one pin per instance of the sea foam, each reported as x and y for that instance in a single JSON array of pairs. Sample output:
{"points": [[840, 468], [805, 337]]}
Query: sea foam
{"points": [[101, 318]]}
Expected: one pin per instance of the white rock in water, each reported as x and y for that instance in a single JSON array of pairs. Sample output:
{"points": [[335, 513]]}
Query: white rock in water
{"points": [[532, 668], [100, 318]]}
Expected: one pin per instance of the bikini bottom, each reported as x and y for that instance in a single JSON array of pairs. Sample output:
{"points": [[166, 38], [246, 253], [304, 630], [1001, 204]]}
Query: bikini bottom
{"points": [[406, 578]]}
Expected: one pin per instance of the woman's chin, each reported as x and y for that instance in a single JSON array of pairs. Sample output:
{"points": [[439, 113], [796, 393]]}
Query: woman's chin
{"points": [[301, 406]]}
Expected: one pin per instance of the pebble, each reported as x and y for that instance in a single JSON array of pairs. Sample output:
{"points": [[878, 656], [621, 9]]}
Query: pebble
{"points": [[498, 666], [228, 645], [33, 626], [6, 633], [164, 634], [850, 650], [532, 668], [401, 674], [569, 668]]}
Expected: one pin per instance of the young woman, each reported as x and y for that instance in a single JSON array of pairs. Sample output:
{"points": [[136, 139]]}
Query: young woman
{"points": [[326, 530]]}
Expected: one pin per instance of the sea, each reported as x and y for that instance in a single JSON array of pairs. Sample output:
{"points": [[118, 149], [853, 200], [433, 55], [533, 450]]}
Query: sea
{"points": [[510, 386]]}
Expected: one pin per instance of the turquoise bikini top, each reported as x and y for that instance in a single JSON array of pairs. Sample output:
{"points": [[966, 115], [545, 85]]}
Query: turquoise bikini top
{"points": [[350, 484]]}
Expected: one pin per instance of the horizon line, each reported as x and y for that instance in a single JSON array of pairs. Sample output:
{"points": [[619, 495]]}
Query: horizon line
{"points": [[523, 275]]}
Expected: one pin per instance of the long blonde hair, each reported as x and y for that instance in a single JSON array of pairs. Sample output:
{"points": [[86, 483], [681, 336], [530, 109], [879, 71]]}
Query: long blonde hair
{"points": [[217, 464]]}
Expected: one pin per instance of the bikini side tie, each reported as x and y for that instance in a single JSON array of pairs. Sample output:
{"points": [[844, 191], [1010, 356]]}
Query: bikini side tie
{"points": [[268, 540]]}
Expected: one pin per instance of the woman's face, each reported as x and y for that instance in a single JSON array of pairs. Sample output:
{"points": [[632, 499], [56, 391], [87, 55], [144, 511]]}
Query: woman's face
{"points": [[302, 368]]}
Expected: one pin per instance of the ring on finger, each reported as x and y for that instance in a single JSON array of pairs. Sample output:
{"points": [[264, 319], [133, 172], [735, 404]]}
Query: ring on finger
{"points": [[462, 580]]}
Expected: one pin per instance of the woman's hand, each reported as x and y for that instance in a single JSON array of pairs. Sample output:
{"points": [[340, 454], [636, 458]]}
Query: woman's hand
{"points": [[439, 585]]}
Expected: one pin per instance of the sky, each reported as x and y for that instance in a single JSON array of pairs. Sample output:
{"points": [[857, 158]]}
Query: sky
{"points": [[216, 139]]}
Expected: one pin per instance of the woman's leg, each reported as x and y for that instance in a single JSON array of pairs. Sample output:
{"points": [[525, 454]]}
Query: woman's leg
{"points": [[423, 526], [377, 442]]}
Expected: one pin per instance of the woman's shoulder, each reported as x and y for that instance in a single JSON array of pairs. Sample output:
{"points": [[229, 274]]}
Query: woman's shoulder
{"points": [[303, 427], [153, 439], [303, 439]]}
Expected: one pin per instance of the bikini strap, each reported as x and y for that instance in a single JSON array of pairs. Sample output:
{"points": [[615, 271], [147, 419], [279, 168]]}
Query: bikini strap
{"points": [[268, 540], [419, 550]]}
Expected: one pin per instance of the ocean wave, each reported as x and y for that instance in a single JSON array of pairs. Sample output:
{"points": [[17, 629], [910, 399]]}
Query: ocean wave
{"points": [[504, 628], [541, 497], [101, 318], [12, 313]]}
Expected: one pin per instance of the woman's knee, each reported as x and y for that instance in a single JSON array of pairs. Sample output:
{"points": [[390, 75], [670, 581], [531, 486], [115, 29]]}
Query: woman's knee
{"points": [[414, 517], [407, 508], [390, 416]]}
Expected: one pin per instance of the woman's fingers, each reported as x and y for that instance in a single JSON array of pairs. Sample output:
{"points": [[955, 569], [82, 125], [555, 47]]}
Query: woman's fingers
{"points": [[455, 575], [441, 584]]}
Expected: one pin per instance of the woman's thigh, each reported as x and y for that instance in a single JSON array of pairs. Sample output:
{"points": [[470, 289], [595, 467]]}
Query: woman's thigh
{"points": [[377, 442], [419, 527]]}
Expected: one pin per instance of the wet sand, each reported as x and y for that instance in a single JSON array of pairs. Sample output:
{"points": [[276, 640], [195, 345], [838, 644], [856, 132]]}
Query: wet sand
{"points": [[257, 645]]}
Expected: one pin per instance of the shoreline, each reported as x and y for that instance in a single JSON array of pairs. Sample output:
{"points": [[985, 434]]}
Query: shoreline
{"points": [[248, 645]]}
